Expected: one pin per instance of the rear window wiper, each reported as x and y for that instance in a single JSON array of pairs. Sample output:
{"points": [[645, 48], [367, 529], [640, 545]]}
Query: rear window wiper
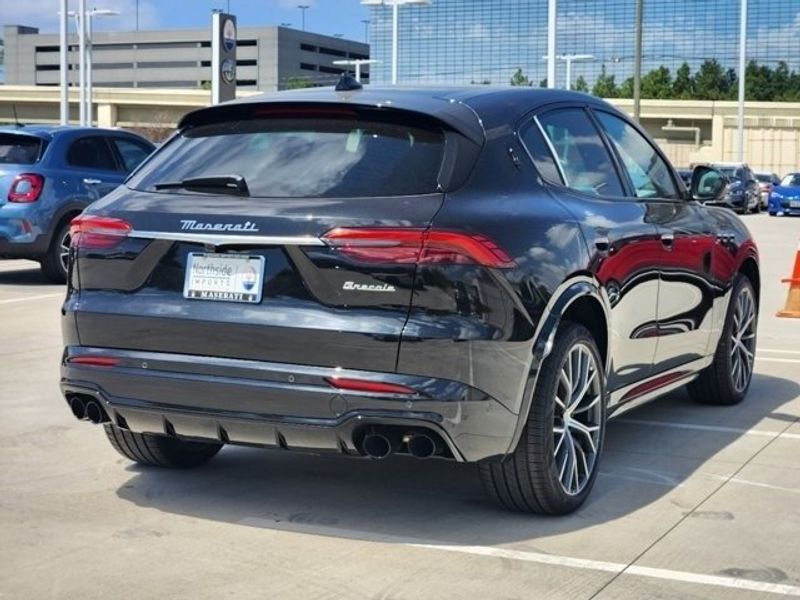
{"points": [[234, 185]]}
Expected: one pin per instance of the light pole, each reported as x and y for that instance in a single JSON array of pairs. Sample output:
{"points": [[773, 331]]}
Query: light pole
{"points": [[569, 59], [552, 12], [742, 77], [303, 8], [356, 62], [62, 30], [83, 21], [637, 62], [91, 15], [395, 4], [366, 23]]}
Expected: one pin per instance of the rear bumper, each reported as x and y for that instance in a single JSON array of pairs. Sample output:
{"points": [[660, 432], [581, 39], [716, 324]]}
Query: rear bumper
{"points": [[26, 249], [281, 405]]}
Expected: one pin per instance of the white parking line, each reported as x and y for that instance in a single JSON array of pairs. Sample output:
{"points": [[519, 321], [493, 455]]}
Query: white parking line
{"points": [[619, 568], [525, 556], [718, 428], [780, 360], [28, 298], [774, 351]]}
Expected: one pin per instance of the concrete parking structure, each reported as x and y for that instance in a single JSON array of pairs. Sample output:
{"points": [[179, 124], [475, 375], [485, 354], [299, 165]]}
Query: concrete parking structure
{"points": [[692, 502]]}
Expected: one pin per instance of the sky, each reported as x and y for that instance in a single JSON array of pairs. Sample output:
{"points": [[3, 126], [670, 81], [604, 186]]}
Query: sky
{"points": [[323, 16]]}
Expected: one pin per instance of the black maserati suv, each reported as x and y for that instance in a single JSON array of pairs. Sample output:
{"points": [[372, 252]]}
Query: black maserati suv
{"points": [[481, 275]]}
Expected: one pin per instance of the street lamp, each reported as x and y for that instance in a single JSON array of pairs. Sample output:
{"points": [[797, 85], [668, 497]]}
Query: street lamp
{"points": [[742, 76], [395, 4], [552, 13], [303, 8], [83, 21], [569, 59], [356, 62]]}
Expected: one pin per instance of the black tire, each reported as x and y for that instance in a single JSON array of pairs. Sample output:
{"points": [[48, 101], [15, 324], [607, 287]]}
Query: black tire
{"points": [[160, 450], [716, 384], [528, 480], [53, 267]]}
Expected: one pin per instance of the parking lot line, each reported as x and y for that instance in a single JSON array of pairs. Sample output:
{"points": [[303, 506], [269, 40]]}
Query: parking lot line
{"points": [[718, 428], [775, 351], [27, 298], [780, 360], [619, 568]]}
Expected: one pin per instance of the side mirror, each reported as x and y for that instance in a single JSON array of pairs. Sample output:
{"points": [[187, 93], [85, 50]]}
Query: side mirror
{"points": [[708, 184]]}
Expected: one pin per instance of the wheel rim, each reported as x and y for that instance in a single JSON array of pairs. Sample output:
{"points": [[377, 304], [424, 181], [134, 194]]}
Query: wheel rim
{"points": [[577, 419], [743, 339], [63, 251]]}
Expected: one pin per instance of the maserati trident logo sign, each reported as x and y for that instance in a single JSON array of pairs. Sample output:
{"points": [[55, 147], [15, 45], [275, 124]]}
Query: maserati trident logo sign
{"points": [[192, 225]]}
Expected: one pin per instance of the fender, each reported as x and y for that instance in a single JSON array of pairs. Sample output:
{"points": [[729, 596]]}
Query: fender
{"points": [[73, 206], [544, 337]]}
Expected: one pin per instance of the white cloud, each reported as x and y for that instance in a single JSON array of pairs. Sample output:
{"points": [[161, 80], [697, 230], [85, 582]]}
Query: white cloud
{"points": [[44, 14]]}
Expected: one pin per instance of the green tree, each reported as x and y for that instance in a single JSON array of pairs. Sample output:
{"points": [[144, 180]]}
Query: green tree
{"points": [[604, 85], [683, 85], [657, 84], [581, 85], [298, 82], [520, 79], [711, 82], [626, 89]]}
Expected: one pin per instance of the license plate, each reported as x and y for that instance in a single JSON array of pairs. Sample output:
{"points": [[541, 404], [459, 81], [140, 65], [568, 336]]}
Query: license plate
{"points": [[224, 277], [794, 204]]}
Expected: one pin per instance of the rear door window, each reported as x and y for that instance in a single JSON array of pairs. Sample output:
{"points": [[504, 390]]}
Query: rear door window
{"points": [[91, 152], [19, 149], [584, 160], [304, 157]]}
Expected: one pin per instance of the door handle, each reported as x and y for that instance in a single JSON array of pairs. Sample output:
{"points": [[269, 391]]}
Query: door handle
{"points": [[90, 181], [667, 240]]}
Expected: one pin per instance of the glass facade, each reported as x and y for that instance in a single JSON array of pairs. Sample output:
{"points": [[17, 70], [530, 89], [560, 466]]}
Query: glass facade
{"points": [[480, 41]]}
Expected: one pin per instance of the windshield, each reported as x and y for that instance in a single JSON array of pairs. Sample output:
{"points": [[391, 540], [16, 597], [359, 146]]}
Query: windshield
{"points": [[730, 172], [791, 180], [19, 149], [302, 157], [764, 177]]}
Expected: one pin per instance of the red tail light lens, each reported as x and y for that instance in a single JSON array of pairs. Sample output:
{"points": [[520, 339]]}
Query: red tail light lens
{"points": [[26, 187], [422, 246], [94, 361], [374, 387], [89, 231]]}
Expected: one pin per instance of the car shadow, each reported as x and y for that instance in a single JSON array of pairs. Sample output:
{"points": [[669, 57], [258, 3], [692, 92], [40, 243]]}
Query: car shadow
{"points": [[24, 276], [403, 499]]}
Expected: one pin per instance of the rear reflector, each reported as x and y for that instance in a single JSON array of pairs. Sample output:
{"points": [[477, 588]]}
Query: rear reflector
{"points": [[94, 361], [375, 387], [26, 187], [89, 231], [423, 246]]}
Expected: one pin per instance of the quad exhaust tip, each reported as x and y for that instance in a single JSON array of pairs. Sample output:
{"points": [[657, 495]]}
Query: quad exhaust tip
{"points": [[380, 443], [88, 410]]}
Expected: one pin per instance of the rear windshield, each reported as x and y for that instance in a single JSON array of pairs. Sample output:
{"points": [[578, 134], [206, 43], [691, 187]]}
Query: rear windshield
{"points": [[791, 180], [19, 149], [304, 157]]}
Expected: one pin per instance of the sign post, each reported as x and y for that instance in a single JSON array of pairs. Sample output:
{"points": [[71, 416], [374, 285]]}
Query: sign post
{"points": [[223, 57]]}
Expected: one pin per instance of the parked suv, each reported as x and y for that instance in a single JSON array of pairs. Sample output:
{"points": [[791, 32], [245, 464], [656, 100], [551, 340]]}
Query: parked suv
{"points": [[48, 175], [743, 193], [480, 275]]}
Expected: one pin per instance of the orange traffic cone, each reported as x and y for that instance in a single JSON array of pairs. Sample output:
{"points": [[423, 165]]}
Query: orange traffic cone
{"points": [[793, 299]]}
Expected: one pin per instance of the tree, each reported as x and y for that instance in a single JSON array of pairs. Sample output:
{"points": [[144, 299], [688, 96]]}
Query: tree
{"points": [[683, 85], [711, 82], [604, 85], [657, 84], [298, 82], [581, 85], [520, 79], [626, 89]]}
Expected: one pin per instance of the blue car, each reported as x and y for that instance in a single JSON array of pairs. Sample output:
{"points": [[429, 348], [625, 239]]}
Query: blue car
{"points": [[48, 175], [785, 198]]}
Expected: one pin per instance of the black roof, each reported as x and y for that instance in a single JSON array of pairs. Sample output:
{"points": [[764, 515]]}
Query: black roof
{"points": [[470, 110]]}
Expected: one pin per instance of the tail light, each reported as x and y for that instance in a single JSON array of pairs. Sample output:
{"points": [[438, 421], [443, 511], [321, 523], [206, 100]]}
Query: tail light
{"points": [[420, 246], [26, 187], [374, 387], [93, 232], [94, 361]]}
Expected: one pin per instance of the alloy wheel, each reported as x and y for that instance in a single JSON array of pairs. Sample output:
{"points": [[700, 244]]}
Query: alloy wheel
{"points": [[577, 419], [63, 250], [743, 339]]}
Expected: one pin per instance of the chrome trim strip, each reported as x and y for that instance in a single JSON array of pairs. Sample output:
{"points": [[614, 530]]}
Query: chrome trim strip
{"points": [[211, 239], [552, 150]]}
